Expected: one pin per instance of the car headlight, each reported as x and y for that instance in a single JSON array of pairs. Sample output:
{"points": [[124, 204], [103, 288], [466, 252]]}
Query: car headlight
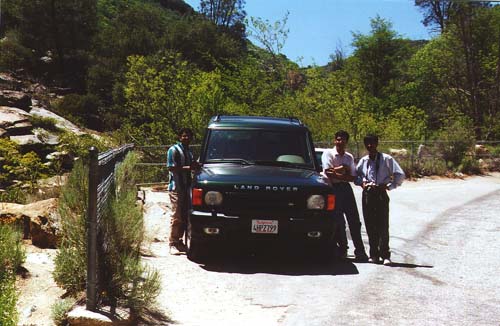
{"points": [[316, 202], [213, 198]]}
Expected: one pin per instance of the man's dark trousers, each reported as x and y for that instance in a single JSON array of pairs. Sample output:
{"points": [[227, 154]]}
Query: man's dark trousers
{"points": [[375, 203], [346, 204]]}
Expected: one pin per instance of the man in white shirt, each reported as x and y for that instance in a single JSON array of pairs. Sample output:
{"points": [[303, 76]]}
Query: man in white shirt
{"points": [[339, 167], [377, 173]]}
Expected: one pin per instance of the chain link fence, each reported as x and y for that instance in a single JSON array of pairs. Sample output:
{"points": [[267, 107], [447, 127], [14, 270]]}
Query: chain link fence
{"points": [[416, 158]]}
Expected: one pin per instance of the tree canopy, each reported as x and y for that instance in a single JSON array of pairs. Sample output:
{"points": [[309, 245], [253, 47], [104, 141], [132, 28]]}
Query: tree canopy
{"points": [[144, 68]]}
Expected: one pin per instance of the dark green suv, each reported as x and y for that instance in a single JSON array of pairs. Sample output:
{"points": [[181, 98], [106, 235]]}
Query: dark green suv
{"points": [[259, 184]]}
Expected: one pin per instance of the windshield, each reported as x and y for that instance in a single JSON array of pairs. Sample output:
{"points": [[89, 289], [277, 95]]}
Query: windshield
{"points": [[266, 147]]}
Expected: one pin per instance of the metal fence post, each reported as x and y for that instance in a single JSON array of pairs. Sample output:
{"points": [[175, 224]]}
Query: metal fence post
{"points": [[92, 230]]}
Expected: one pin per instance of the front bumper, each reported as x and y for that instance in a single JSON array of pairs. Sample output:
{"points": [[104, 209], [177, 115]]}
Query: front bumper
{"points": [[218, 227]]}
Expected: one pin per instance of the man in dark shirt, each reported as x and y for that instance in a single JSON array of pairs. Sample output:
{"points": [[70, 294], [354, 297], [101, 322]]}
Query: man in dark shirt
{"points": [[180, 162]]}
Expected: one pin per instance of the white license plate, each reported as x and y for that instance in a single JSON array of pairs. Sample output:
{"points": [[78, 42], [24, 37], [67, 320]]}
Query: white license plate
{"points": [[265, 226]]}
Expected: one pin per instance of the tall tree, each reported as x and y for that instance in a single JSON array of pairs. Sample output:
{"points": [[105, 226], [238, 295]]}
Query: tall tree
{"points": [[379, 57], [436, 13], [224, 13]]}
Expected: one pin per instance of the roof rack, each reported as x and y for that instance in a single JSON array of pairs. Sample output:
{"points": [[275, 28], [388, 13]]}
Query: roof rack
{"points": [[217, 118]]}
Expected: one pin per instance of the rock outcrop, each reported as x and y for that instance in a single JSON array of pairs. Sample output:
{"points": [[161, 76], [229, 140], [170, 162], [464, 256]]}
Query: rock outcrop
{"points": [[18, 105], [39, 221]]}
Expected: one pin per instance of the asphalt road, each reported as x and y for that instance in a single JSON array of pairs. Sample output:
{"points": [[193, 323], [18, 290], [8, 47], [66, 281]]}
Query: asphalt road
{"points": [[445, 249]]}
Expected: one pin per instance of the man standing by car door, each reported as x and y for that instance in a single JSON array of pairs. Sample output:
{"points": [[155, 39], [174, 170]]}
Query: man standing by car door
{"points": [[377, 173], [339, 166], [180, 162]]}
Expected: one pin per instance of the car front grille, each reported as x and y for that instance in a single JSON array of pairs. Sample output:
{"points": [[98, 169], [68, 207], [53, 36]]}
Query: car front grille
{"points": [[267, 202]]}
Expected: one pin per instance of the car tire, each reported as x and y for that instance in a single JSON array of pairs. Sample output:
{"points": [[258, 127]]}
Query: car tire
{"points": [[196, 252]]}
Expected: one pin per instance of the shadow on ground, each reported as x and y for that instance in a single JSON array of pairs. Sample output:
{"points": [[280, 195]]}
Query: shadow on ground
{"points": [[278, 263], [152, 317], [406, 265]]}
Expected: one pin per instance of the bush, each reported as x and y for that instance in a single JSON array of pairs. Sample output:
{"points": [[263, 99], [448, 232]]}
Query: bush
{"points": [[432, 166], [457, 139], [72, 255], [60, 310], [123, 279], [13, 55], [79, 146], [16, 166], [13, 194], [126, 279], [12, 255], [44, 123], [80, 109], [469, 165]]}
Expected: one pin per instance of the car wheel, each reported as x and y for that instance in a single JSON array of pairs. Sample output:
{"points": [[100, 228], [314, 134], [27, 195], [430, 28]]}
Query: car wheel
{"points": [[195, 251]]}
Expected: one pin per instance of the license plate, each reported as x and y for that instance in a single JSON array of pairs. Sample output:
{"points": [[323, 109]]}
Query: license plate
{"points": [[265, 226]]}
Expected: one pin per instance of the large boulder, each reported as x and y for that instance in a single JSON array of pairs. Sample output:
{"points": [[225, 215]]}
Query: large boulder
{"points": [[39, 221], [15, 99], [10, 116], [61, 123], [9, 82]]}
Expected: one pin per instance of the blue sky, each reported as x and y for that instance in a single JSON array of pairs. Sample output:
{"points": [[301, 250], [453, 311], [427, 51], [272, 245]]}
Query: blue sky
{"points": [[318, 27]]}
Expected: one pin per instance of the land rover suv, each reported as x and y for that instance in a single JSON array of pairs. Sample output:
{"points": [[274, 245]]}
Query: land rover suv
{"points": [[259, 184]]}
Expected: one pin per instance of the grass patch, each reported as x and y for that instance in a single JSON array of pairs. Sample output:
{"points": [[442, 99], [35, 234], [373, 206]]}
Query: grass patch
{"points": [[12, 255]]}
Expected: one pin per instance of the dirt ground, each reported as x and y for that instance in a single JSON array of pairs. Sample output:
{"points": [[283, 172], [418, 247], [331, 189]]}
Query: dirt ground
{"points": [[38, 291], [36, 287]]}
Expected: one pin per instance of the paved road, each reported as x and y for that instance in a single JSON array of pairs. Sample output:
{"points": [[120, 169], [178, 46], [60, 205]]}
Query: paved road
{"points": [[445, 244]]}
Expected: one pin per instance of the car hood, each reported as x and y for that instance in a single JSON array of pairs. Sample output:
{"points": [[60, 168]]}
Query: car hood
{"points": [[258, 175]]}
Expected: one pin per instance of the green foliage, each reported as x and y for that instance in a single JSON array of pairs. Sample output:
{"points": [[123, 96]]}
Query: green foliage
{"points": [[14, 165], [457, 139], [165, 93], [123, 277], [60, 30], [13, 194], [12, 255], [72, 254], [79, 145], [223, 13], [406, 123], [13, 55], [44, 123], [80, 109], [432, 166], [379, 57], [469, 165], [8, 299], [60, 310]]}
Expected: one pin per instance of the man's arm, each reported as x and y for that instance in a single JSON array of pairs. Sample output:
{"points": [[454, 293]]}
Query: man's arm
{"points": [[359, 173], [398, 174]]}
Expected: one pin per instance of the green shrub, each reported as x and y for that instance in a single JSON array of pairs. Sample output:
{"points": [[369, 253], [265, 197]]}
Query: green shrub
{"points": [[14, 165], [127, 280], [72, 255], [79, 145], [12, 255], [456, 139], [13, 194], [80, 109], [44, 123], [60, 310], [8, 299], [123, 279], [432, 166], [469, 165], [13, 55]]}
